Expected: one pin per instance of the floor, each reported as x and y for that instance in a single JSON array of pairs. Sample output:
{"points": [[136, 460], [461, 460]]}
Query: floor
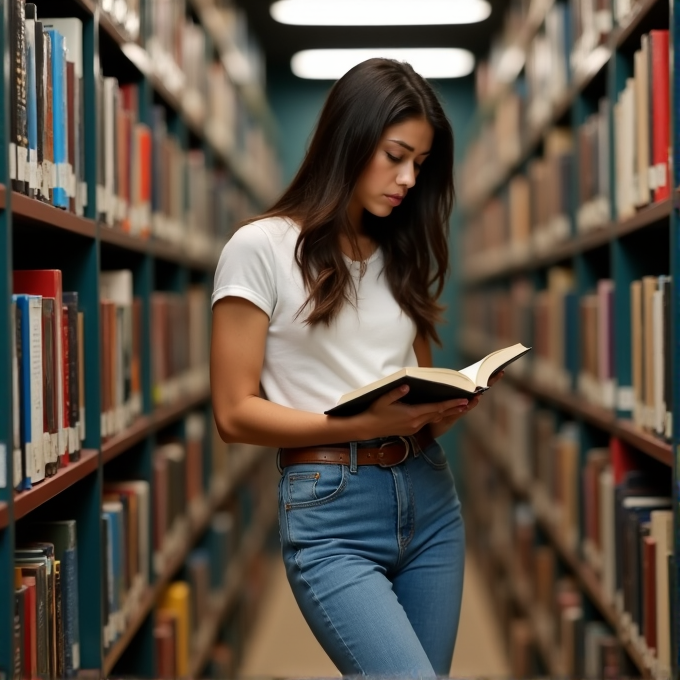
{"points": [[281, 644]]}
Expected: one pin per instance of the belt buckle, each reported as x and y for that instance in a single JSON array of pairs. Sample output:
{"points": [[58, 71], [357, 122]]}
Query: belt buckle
{"points": [[399, 462]]}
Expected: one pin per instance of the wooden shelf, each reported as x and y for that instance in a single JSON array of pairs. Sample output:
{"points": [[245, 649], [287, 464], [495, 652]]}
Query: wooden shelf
{"points": [[646, 217], [147, 424], [583, 572], [148, 599], [205, 636], [602, 418], [4, 515], [581, 80], [25, 209], [27, 501], [163, 250]]}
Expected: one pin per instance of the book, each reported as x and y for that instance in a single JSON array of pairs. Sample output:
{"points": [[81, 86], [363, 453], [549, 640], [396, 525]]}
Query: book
{"points": [[47, 283], [429, 385]]}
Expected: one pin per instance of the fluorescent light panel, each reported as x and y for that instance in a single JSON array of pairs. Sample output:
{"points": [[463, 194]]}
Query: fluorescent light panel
{"points": [[429, 62], [379, 12]]}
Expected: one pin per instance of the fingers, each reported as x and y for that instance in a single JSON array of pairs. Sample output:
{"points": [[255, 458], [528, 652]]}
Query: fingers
{"points": [[394, 395]]}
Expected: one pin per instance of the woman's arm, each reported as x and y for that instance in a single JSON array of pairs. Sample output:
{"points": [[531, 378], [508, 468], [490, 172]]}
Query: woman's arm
{"points": [[239, 333]]}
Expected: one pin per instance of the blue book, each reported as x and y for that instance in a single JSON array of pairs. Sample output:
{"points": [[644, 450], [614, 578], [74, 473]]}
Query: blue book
{"points": [[59, 113], [24, 365], [62, 534], [113, 510]]}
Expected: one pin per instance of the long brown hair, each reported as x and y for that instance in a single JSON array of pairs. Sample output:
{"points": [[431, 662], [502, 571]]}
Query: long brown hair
{"points": [[369, 98]]}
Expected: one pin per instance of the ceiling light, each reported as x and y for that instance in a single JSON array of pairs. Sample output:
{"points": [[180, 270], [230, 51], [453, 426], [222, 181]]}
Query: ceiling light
{"points": [[379, 12], [430, 62]]}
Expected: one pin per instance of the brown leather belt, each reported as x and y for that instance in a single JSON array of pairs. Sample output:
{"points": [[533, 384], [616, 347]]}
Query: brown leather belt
{"points": [[392, 452]]}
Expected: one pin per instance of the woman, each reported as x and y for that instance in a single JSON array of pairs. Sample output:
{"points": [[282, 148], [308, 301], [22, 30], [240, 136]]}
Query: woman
{"points": [[333, 288]]}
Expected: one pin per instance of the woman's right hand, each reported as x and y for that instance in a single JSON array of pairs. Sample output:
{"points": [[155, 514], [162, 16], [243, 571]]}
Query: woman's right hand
{"points": [[389, 416]]}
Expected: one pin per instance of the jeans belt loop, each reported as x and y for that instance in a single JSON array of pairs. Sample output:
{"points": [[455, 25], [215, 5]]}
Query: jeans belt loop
{"points": [[353, 467], [278, 461]]}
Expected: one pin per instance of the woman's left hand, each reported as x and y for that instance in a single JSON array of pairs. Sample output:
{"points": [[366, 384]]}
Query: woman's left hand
{"points": [[449, 418]]}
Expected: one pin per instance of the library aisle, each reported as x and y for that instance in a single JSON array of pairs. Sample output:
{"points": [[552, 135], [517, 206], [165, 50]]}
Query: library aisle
{"points": [[281, 644]]}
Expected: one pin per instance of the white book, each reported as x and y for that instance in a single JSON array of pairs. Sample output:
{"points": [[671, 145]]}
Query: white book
{"points": [[662, 533], [657, 336], [36, 363], [109, 113]]}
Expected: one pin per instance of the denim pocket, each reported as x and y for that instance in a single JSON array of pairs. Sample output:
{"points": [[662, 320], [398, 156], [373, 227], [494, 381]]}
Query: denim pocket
{"points": [[435, 456], [309, 486]]}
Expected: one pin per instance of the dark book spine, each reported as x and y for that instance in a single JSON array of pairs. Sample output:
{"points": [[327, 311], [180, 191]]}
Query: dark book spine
{"points": [[49, 401], [21, 103], [71, 135], [71, 303], [82, 181], [59, 618], [19, 632], [39, 42], [67, 382]]}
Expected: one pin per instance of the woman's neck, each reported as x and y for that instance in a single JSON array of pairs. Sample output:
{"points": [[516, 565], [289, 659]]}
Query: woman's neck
{"points": [[367, 246]]}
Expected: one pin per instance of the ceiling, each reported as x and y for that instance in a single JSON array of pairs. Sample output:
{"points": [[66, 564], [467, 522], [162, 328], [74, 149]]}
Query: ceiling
{"points": [[281, 41]]}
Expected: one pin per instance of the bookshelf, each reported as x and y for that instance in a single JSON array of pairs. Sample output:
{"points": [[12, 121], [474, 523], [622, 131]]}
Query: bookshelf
{"points": [[237, 165], [555, 237]]}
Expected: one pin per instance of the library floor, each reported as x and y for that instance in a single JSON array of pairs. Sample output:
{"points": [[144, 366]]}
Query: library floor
{"points": [[281, 645]]}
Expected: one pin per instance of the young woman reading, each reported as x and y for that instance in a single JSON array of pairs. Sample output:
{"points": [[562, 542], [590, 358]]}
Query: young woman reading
{"points": [[334, 287]]}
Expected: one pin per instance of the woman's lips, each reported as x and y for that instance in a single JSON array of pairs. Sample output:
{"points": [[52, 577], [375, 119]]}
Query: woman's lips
{"points": [[395, 199]]}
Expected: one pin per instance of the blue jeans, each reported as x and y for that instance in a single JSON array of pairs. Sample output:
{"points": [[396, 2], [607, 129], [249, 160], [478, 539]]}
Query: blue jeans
{"points": [[375, 559]]}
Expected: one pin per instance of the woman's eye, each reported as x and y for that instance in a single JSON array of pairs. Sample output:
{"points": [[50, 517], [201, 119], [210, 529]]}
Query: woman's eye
{"points": [[394, 159]]}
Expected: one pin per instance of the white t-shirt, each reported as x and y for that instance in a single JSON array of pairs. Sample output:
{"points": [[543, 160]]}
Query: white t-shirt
{"points": [[311, 367]]}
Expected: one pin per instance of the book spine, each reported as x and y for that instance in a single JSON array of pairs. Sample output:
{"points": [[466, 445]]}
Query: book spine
{"points": [[40, 88], [73, 369], [21, 139], [32, 109], [48, 153], [49, 401], [661, 114], [17, 479], [35, 331], [59, 616], [66, 382], [81, 376], [19, 632], [60, 130]]}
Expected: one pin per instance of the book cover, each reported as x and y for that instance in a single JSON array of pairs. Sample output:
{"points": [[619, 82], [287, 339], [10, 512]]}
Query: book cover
{"points": [[66, 382], [63, 535], [15, 331], [60, 127], [176, 599], [50, 425], [19, 625], [71, 304], [660, 83], [430, 385], [31, 627], [31, 102], [47, 283]]}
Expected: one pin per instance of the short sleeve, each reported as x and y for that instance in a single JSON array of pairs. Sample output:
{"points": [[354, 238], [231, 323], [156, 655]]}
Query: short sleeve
{"points": [[246, 269]]}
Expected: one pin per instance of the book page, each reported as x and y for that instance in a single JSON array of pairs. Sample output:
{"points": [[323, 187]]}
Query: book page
{"points": [[472, 370]]}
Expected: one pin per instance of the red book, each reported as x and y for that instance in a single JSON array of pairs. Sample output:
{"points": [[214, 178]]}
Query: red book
{"points": [[30, 629], [47, 283], [145, 175], [649, 591], [623, 459], [67, 384], [660, 113]]}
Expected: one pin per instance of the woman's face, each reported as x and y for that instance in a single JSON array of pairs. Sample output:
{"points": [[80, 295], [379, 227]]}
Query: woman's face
{"points": [[393, 169]]}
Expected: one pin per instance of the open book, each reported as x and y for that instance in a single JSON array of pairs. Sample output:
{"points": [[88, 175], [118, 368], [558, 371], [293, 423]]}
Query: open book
{"points": [[429, 385]]}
